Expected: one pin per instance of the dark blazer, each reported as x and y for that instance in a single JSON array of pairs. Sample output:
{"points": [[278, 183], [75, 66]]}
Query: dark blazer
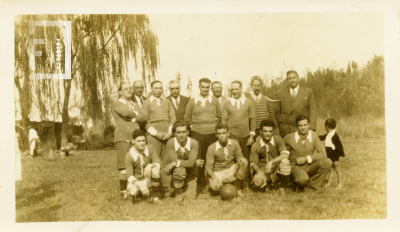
{"points": [[336, 142], [180, 112], [134, 98], [287, 109]]}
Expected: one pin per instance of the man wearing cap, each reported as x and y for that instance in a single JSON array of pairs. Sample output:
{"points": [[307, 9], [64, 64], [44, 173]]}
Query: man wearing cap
{"points": [[181, 154]]}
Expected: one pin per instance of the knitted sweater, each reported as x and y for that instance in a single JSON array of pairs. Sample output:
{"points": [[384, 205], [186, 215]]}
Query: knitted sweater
{"points": [[305, 148], [159, 117], [216, 160], [186, 159], [203, 119], [135, 167], [238, 119]]}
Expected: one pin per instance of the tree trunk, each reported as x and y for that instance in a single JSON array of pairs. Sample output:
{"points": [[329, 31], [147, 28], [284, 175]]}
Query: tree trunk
{"points": [[65, 113]]}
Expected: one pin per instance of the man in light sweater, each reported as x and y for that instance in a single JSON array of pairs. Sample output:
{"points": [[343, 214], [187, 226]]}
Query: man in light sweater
{"points": [[181, 154], [239, 114], [216, 89], [225, 162], [203, 112], [160, 118], [308, 160]]}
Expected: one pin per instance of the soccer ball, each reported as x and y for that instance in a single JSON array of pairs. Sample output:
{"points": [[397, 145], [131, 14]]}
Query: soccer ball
{"points": [[228, 192]]}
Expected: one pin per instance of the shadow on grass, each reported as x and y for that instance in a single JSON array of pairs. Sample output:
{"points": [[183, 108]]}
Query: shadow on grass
{"points": [[37, 204]]}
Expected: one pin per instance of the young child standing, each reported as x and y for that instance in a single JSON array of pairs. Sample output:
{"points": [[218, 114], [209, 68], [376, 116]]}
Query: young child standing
{"points": [[334, 148]]}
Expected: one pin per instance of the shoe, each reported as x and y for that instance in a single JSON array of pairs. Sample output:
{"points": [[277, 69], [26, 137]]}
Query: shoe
{"points": [[240, 194], [124, 194]]}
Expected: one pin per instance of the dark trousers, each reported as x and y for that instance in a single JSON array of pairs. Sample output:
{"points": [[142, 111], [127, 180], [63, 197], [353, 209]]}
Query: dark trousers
{"points": [[312, 174], [204, 140], [246, 155]]}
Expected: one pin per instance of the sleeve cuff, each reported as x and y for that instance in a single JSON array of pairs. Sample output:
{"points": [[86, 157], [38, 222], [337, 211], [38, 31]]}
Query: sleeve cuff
{"points": [[178, 163], [131, 178], [152, 131], [251, 164], [170, 129], [133, 120], [253, 133], [287, 152], [157, 165], [309, 159], [137, 113]]}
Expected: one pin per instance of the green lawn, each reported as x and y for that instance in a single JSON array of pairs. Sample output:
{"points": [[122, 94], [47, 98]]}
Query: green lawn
{"points": [[84, 187]]}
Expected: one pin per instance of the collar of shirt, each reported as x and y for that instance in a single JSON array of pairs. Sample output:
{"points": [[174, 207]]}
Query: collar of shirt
{"points": [[177, 145], [138, 99], [295, 90], [218, 146], [152, 98], [178, 99], [202, 99], [134, 153], [122, 100], [241, 99], [254, 96], [328, 139], [297, 136], [271, 142]]}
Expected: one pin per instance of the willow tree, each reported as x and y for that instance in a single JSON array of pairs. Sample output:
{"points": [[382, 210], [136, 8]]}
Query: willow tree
{"points": [[102, 45]]}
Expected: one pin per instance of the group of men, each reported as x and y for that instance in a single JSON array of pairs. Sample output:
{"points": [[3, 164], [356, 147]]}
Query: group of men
{"points": [[180, 146]]}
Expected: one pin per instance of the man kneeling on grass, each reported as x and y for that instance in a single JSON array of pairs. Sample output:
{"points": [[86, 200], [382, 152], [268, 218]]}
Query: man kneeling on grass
{"points": [[270, 159], [307, 156], [142, 168], [181, 157], [225, 162]]}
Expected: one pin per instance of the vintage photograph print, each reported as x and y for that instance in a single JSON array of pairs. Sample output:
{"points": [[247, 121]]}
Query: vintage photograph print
{"points": [[200, 117]]}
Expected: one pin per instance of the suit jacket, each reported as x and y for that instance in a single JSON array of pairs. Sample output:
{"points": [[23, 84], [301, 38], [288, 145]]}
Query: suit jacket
{"points": [[180, 111], [287, 109], [134, 98], [336, 142], [141, 124]]}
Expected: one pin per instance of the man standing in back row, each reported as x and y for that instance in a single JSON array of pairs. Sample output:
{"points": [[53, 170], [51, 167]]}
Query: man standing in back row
{"points": [[179, 101], [203, 112], [239, 114], [263, 106], [216, 88], [293, 101]]}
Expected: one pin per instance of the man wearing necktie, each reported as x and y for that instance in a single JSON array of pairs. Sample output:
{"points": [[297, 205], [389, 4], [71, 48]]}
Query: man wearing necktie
{"points": [[179, 101], [225, 162], [127, 115], [293, 101], [160, 118], [239, 114], [181, 154], [308, 160], [138, 98], [269, 159]]}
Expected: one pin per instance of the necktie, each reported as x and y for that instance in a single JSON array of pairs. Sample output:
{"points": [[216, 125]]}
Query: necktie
{"points": [[226, 153], [175, 102], [293, 94], [141, 100]]}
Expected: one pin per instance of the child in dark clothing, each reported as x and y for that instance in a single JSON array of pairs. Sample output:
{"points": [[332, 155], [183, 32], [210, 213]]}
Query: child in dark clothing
{"points": [[334, 148]]}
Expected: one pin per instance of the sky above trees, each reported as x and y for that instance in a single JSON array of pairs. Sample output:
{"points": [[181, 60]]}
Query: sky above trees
{"points": [[237, 46]]}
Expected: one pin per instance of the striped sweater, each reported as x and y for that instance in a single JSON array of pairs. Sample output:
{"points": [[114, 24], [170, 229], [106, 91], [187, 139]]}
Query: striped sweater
{"points": [[264, 109]]}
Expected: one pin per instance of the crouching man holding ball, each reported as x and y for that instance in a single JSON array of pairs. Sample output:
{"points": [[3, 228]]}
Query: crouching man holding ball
{"points": [[225, 162], [143, 168]]}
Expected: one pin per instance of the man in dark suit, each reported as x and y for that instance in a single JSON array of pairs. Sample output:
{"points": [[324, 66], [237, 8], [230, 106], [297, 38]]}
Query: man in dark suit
{"points": [[137, 96], [179, 101], [293, 101]]}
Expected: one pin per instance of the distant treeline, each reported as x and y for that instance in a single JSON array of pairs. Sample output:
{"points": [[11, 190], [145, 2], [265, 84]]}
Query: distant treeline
{"points": [[343, 93]]}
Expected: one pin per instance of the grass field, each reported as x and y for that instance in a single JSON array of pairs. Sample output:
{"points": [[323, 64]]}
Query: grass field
{"points": [[84, 187]]}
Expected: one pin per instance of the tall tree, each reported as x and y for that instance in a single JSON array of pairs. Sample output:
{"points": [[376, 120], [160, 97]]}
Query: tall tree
{"points": [[101, 48]]}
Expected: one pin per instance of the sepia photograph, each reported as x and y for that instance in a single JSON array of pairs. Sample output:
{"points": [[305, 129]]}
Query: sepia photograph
{"points": [[217, 116]]}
